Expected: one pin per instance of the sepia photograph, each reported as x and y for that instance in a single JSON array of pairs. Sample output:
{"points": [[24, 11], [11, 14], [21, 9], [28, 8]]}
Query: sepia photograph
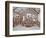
{"points": [[25, 18]]}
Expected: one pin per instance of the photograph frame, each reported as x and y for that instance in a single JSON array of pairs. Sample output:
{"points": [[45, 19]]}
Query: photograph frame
{"points": [[7, 17]]}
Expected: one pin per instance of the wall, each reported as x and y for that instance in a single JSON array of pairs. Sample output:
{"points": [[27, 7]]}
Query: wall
{"points": [[2, 19]]}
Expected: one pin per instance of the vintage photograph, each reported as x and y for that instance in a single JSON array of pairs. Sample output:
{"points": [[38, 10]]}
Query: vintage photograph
{"points": [[26, 18]]}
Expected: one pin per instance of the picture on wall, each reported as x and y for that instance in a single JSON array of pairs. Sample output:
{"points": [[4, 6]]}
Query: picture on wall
{"points": [[24, 18]]}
